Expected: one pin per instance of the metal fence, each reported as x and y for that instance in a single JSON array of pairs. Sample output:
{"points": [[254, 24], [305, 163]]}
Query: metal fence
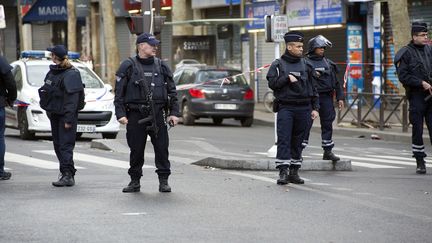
{"points": [[383, 110]]}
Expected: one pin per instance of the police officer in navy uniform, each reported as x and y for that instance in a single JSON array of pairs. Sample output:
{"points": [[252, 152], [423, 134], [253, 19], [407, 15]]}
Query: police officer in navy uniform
{"points": [[8, 94], [296, 101], [60, 97], [414, 68], [326, 84], [136, 77]]}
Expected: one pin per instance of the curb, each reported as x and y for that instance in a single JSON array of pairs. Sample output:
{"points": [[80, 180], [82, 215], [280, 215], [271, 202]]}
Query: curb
{"points": [[268, 164], [110, 145]]}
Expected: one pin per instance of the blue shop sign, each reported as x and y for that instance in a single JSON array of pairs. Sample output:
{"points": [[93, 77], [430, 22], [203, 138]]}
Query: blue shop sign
{"points": [[328, 12], [258, 11], [234, 2], [51, 11]]}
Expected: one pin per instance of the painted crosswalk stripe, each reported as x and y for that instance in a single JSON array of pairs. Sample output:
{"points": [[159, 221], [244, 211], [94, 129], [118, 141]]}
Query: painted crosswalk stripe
{"points": [[96, 159], [31, 161], [369, 165], [399, 158]]}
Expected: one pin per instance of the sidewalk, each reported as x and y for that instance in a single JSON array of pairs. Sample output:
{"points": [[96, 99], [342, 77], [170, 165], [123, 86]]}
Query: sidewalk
{"points": [[263, 117]]}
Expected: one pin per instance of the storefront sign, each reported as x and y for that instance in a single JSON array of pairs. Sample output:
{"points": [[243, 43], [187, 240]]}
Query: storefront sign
{"points": [[328, 12], [200, 48], [258, 11], [300, 13], [47, 10], [355, 59]]}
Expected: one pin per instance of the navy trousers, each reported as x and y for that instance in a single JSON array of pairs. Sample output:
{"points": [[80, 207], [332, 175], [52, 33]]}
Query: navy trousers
{"points": [[327, 115], [419, 111], [292, 123], [64, 142]]}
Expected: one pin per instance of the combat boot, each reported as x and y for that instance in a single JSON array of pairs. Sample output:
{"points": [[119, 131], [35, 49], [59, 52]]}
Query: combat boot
{"points": [[421, 166], [329, 155], [163, 185], [5, 175], [133, 186], [283, 175], [293, 176], [66, 179]]}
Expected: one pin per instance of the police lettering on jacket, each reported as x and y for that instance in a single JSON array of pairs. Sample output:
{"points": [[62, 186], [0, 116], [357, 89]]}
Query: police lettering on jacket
{"points": [[325, 79]]}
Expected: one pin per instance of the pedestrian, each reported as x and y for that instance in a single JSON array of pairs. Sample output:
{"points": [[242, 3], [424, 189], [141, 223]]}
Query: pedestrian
{"points": [[60, 97], [414, 68], [296, 101], [8, 94], [145, 91], [327, 85]]}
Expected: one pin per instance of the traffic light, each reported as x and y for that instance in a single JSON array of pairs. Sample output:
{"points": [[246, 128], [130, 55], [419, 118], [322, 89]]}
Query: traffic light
{"points": [[137, 25]]}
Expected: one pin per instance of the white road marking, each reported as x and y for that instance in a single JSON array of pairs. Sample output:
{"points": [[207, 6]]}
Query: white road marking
{"points": [[374, 166], [134, 214], [6, 168], [31, 161], [96, 160]]}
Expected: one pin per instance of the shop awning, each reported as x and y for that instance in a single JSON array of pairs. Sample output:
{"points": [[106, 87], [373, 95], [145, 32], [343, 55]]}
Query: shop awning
{"points": [[52, 11], [197, 22]]}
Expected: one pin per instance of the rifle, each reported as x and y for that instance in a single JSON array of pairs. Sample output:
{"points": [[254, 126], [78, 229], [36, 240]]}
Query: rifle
{"points": [[151, 118]]}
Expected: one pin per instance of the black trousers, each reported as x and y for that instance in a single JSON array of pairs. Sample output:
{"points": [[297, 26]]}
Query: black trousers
{"points": [[136, 136], [419, 111], [64, 142]]}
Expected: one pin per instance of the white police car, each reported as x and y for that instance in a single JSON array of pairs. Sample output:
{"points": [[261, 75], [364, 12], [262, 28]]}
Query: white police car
{"points": [[27, 116]]}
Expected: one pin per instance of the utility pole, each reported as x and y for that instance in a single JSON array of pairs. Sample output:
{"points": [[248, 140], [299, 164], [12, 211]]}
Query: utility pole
{"points": [[111, 48], [71, 15]]}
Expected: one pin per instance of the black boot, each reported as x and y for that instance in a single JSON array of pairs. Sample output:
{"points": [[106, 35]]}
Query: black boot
{"points": [[283, 175], [293, 176], [66, 179], [163, 185], [329, 155], [421, 166], [133, 186]]}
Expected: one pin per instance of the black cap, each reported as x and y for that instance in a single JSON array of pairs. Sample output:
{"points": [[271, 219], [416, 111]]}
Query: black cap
{"points": [[149, 38], [293, 36], [59, 50], [418, 27]]}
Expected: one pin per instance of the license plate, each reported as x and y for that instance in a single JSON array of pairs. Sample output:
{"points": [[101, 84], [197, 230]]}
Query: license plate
{"points": [[86, 128], [225, 107]]}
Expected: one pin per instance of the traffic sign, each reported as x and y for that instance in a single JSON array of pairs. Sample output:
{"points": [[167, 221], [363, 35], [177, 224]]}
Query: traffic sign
{"points": [[279, 25]]}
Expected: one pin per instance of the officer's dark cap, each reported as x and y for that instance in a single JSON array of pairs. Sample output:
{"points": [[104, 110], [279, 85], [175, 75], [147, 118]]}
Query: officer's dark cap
{"points": [[147, 37], [59, 50], [294, 36], [418, 27]]}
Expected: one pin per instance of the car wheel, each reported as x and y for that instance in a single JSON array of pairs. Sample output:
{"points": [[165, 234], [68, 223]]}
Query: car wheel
{"points": [[109, 135], [246, 122], [188, 118], [23, 126], [217, 120]]}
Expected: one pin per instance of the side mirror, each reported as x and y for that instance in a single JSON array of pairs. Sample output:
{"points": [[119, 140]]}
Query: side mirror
{"points": [[108, 87]]}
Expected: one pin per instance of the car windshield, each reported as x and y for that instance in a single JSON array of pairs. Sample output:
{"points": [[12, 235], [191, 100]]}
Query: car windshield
{"points": [[36, 75], [229, 77]]}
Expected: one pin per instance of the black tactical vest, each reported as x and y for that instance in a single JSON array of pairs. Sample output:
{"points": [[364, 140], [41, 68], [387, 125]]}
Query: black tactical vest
{"points": [[51, 94], [326, 81], [298, 91]]}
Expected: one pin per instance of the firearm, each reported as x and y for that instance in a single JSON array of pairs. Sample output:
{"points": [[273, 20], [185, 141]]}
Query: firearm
{"points": [[429, 80], [150, 108]]}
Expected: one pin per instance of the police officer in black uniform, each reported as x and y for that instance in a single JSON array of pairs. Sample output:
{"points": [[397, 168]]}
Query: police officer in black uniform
{"points": [[145, 88], [8, 94], [414, 68], [326, 84], [60, 97], [296, 101]]}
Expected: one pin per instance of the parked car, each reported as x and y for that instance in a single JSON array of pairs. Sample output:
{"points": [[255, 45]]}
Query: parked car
{"points": [[216, 93], [26, 114], [185, 62]]}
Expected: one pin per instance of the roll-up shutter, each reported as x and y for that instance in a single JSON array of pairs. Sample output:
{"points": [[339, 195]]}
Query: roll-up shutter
{"points": [[265, 55], [124, 43], [420, 11], [42, 36], [166, 43]]}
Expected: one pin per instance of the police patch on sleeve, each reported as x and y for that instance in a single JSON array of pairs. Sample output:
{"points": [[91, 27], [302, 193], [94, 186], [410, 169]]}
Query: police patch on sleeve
{"points": [[118, 78]]}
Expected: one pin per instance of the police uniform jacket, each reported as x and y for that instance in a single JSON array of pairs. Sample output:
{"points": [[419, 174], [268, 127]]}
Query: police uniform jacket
{"points": [[135, 82], [8, 91], [296, 93], [414, 65], [325, 79], [67, 85]]}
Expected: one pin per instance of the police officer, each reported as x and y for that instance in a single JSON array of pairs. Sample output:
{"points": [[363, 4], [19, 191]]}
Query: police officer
{"points": [[60, 97], [145, 88], [8, 94], [414, 68], [326, 84], [296, 101]]}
